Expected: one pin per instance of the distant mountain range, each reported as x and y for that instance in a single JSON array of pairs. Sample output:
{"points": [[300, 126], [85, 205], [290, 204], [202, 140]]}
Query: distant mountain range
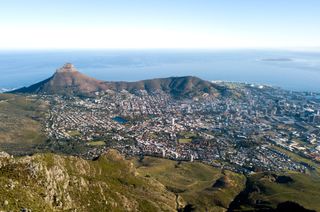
{"points": [[68, 81]]}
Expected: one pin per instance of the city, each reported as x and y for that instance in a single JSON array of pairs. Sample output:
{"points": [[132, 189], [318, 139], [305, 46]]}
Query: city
{"points": [[243, 133]]}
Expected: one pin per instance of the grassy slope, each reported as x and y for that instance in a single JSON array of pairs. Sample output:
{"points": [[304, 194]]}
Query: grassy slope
{"points": [[45, 182], [304, 190], [266, 193], [48, 182], [19, 125], [194, 182]]}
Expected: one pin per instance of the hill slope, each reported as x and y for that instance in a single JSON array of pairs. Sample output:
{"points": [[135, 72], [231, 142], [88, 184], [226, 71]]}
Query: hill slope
{"points": [[48, 182], [21, 123], [195, 183], [187, 86], [68, 81]]}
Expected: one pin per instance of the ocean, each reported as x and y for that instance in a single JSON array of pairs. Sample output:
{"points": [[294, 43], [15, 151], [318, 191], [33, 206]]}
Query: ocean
{"points": [[292, 70]]}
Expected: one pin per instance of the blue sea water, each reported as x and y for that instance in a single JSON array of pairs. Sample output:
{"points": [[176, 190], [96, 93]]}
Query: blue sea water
{"points": [[293, 70]]}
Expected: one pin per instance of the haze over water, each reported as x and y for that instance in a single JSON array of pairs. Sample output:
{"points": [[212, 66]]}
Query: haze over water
{"points": [[293, 70]]}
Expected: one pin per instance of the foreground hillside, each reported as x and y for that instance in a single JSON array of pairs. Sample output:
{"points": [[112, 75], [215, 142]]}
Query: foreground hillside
{"points": [[266, 191], [48, 182], [202, 187]]}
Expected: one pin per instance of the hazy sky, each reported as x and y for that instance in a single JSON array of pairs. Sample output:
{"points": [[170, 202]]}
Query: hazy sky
{"points": [[63, 24]]}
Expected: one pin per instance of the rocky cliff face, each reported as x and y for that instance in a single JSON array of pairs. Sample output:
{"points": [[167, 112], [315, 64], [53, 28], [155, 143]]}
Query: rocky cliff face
{"points": [[48, 182]]}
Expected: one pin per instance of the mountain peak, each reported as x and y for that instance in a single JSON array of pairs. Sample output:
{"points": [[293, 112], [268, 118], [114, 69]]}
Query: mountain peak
{"points": [[68, 67], [68, 81]]}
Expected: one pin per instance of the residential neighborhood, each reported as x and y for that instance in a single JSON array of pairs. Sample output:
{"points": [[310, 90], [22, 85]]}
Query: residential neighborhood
{"points": [[242, 134]]}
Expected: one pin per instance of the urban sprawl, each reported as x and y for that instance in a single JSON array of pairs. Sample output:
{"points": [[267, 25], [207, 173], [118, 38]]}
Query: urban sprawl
{"points": [[250, 132]]}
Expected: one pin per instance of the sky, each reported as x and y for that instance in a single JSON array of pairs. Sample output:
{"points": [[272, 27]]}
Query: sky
{"points": [[143, 24]]}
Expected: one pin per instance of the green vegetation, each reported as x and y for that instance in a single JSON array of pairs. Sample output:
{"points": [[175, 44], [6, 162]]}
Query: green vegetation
{"points": [[20, 123], [188, 134], [264, 192], [298, 158], [195, 183], [74, 133], [186, 137], [304, 184], [185, 140], [49, 182], [96, 143]]}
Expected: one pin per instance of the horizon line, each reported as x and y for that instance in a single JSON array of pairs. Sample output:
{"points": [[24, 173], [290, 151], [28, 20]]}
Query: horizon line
{"points": [[306, 49]]}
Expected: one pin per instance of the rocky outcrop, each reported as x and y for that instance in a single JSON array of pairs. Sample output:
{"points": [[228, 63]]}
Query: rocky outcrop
{"points": [[66, 81], [49, 182]]}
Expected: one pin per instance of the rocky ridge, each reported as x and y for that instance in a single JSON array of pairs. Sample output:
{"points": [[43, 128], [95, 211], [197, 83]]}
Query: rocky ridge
{"points": [[48, 182]]}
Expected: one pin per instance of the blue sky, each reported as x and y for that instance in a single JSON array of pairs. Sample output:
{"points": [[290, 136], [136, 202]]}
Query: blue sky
{"points": [[60, 24]]}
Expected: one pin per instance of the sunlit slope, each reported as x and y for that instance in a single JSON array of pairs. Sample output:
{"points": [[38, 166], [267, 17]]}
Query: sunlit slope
{"points": [[48, 182], [197, 185], [265, 191], [20, 127]]}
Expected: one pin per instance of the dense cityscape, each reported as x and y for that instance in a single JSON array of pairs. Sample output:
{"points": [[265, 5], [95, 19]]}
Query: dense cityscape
{"points": [[247, 132]]}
